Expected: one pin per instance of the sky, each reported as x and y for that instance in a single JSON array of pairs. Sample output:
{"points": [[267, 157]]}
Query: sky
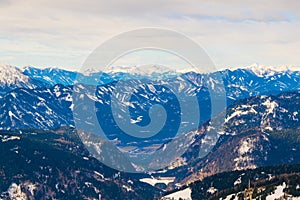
{"points": [[233, 33]]}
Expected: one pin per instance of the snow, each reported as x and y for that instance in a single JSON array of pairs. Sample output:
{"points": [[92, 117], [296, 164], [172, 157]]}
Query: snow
{"points": [[246, 146], [69, 98], [277, 193], [164, 147], [57, 91], [10, 75], [91, 97], [6, 138], [294, 116], [238, 181], [11, 115], [99, 174], [15, 192], [95, 145], [244, 160], [152, 181], [262, 70], [270, 106], [185, 194], [72, 106], [269, 128], [140, 70], [212, 190], [138, 119], [31, 187], [229, 197], [239, 112], [127, 188], [13, 95], [151, 88]]}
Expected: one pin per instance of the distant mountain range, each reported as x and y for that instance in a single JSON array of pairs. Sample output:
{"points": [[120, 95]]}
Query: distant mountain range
{"points": [[260, 128], [42, 98], [51, 86]]}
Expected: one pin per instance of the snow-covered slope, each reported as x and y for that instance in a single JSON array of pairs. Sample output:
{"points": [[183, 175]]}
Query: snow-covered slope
{"points": [[267, 70], [42, 109], [12, 77], [179, 195], [258, 131]]}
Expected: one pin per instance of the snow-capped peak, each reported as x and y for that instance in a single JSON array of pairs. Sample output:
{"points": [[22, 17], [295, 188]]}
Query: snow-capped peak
{"points": [[263, 70], [143, 69], [10, 75], [134, 70], [266, 70]]}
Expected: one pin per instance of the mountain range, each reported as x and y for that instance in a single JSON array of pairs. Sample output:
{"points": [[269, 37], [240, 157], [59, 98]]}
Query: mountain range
{"points": [[257, 126]]}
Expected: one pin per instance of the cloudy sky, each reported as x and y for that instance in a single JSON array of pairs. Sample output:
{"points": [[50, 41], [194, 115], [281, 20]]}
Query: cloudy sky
{"points": [[233, 33]]}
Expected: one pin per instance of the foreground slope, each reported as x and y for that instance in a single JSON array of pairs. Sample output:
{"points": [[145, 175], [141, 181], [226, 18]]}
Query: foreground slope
{"points": [[259, 131], [54, 165]]}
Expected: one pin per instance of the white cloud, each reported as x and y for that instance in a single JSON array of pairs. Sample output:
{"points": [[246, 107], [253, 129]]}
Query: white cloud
{"points": [[62, 33]]}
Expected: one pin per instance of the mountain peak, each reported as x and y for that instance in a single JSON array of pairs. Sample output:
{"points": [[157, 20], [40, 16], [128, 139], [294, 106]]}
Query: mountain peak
{"points": [[261, 70], [267, 70], [10, 75], [142, 69]]}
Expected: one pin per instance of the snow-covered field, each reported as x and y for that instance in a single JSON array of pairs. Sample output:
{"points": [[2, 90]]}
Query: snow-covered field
{"points": [[152, 181], [183, 194]]}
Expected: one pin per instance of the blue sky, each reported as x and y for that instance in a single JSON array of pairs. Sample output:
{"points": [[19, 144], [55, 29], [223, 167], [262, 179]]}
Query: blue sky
{"points": [[234, 33]]}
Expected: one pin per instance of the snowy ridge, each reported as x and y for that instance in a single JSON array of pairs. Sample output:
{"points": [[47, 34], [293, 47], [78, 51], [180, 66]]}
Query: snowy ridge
{"points": [[259, 70], [12, 78], [263, 70], [10, 75], [146, 70]]}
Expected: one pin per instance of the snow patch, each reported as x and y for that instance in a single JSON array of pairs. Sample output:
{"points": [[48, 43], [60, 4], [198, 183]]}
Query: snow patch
{"points": [[15, 192], [6, 138], [238, 181], [244, 160], [152, 181], [238, 112], [212, 190], [271, 105], [185, 194], [278, 193]]}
